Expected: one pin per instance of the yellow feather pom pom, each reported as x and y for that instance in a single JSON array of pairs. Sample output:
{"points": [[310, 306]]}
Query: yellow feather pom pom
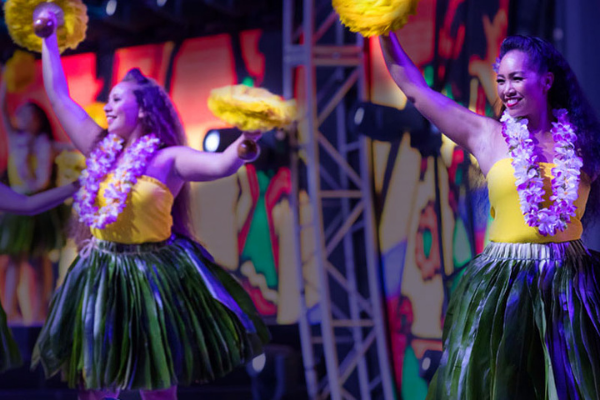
{"points": [[70, 164], [19, 20], [251, 109], [374, 17], [19, 71]]}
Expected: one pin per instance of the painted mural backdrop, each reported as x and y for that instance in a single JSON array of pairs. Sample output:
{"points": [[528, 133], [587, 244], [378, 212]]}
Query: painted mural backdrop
{"points": [[245, 220], [431, 202]]}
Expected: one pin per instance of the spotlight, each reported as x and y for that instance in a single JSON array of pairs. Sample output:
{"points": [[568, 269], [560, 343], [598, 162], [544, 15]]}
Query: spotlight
{"points": [[161, 3], [384, 123], [388, 124], [217, 140], [212, 140], [111, 7], [275, 373], [429, 364], [258, 364]]}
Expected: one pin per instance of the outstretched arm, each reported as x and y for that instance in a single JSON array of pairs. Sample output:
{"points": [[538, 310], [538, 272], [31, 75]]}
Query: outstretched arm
{"points": [[8, 128], [80, 127], [193, 165], [13, 202], [464, 127]]}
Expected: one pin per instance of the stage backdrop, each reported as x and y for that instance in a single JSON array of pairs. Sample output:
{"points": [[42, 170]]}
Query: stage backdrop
{"points": [[432, 208]]}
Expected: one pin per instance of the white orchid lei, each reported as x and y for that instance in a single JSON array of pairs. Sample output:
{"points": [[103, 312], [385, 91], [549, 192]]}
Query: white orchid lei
{"points": [[99, 164], [530, 183]]}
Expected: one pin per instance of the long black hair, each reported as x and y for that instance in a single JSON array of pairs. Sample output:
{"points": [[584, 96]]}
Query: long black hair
{"points": [[161, 118]]}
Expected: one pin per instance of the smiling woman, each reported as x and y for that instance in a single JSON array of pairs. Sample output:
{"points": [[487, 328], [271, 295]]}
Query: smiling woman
{"points": [[523, 322], [144, 307]]}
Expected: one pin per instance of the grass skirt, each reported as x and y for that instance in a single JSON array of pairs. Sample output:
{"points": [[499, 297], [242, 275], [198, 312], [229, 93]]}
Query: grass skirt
{"points": [[35, 235], [9, 352], [524, 323], [148, 317]]}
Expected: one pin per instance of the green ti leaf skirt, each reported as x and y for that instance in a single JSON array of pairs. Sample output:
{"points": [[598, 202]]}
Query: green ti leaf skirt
{"points": [[10, 357], [147, 317], [524, 323], [33, 236]]}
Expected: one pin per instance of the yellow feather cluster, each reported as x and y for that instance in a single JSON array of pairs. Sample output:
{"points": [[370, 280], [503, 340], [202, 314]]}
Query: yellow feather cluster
{"points": [[19, 20], [70, 164], [19, 71], [251, 109], [374, 17]]}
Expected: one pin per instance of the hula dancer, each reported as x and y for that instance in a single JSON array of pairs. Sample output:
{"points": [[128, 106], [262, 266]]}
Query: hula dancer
{"points": [[143, 307], [28, 240], [17, 203], [524, 322]]}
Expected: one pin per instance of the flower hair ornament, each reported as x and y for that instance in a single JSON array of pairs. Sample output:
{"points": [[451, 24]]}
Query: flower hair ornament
{"points": [[529, 180]]}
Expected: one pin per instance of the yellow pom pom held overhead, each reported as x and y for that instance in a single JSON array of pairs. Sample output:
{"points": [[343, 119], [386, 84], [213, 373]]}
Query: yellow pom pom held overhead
{"points": [[19, 20], [19, 71], [374, 17], [251, 109]]}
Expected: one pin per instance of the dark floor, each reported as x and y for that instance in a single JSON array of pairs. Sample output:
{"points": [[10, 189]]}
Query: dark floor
{"points": [[25, 384]]}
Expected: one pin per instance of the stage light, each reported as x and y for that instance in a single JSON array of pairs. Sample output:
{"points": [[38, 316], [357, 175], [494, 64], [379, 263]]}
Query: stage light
{"points": [[111, 7], [258, 363], [275, 373], [217, 140], [161, 3], [429, 364], [384, 123], [211, 141], [388, 124], [359, 115]]}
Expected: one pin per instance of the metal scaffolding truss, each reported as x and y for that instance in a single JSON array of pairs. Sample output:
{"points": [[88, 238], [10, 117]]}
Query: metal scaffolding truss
{"points": [[343, 336]]}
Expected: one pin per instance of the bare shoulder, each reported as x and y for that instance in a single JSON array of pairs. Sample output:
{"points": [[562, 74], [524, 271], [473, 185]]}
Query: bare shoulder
{"points": [[493, 146], [161, 165]]}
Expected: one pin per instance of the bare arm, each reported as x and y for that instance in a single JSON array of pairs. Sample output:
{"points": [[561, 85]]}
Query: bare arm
{"points": [[464, 127], [193, 165], [80, 127], [8, 128], [13, 202]]}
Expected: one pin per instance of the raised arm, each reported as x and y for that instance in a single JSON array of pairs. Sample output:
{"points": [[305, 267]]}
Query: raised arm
{"points": [[193, 165], [8, 128], [13, 202], [464, 127], [80, 127]]}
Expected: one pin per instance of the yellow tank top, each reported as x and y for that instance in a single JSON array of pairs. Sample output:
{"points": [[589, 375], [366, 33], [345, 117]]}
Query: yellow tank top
{"points": [[508, 224], [146, 216], [14, 178]]}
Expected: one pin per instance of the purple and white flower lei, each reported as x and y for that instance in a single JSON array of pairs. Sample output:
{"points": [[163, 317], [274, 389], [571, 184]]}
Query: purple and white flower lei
{"points": [[530, 183], [99, 164]]}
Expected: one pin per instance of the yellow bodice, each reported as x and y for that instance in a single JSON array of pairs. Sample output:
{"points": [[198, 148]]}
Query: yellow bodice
{"points": [[14, 178], [146, 217], [509, 225]]}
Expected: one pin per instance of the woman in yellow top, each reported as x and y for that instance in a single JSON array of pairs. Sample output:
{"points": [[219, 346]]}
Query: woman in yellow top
{"points": [[524, 322], [28, 240], [143, 307], [12, 202]]}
